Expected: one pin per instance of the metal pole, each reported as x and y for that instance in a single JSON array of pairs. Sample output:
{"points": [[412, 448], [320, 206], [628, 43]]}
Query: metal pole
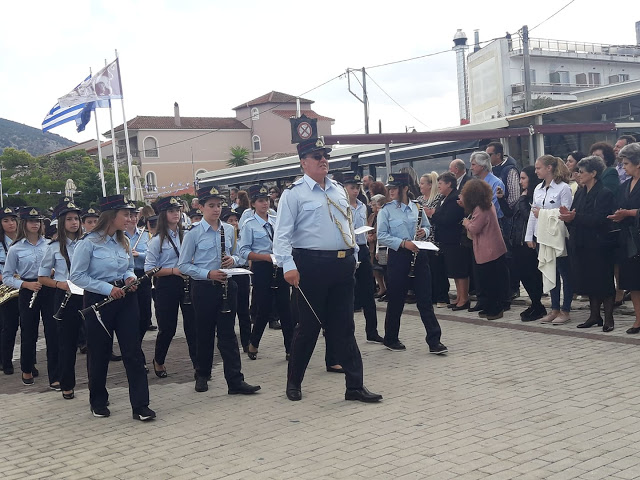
{"points": [[126, 138], [104, 189], [1, 193], [365, 98], [527, 68], [387, 159], [113, 145]]}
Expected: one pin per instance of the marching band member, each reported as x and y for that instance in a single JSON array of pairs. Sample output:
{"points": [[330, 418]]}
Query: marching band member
{"points": [[89, 218], [23, 260], [256, 245], [102, 264], [203, 254], [9, 313], [315, 245], [172, 288], [365, 288], [57, 257], [398, 224], [195, 216]]}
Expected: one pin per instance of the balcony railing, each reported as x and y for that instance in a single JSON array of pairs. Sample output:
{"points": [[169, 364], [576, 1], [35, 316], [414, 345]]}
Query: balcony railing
{"points": [[122, 152], [563, 46]]}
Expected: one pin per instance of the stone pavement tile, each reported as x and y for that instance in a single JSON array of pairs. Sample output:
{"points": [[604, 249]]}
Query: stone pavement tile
{"points": [[629, 473], [599, 473]]}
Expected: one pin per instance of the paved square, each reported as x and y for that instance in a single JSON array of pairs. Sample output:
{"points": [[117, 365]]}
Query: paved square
{"points": [[511, 400]]}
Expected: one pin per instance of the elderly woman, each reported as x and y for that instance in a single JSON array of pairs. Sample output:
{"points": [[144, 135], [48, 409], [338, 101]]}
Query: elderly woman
{"points": [[609, 177], [488, 245], [589, 241], [572, 165], [626, 217], [446, 219], [429, 199]]}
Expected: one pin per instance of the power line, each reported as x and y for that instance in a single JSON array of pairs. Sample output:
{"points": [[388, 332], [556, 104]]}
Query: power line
{"points": [[394, 101], [553, 15]]}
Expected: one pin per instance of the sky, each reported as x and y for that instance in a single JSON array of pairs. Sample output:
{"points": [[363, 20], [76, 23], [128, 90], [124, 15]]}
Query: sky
{"points": [[210, 55]]}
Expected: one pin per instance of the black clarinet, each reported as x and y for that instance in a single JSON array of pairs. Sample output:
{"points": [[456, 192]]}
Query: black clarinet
{"points": [[98, 305], [412, 273], [63, 305], [186, 297], [224, 308], [274, 279]]}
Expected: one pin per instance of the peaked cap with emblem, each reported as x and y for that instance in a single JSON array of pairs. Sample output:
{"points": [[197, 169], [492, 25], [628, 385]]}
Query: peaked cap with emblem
{"points": [[398, 180], [312, 145], [8, 212], [65, 207], [351, 177], [116, 202], [227, 212], [258, 191], [195, 212], [165, 203], [212, 191], [30, 213], [90, 212]]}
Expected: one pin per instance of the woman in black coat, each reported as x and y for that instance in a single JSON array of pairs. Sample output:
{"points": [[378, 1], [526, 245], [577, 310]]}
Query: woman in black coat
{"points": [[447, 219], [525, 259], [590, 243]]}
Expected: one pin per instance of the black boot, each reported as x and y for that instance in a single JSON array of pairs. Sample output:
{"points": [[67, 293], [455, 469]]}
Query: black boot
{"points": [[608, 313], [594, 316]]}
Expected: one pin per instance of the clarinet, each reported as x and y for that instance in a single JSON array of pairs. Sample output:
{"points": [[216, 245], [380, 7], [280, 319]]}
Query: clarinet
{"points": [[274, 279], [34, 295], [186, 297], [63, 305], [224, 308], [98, 305], [412, 273]]}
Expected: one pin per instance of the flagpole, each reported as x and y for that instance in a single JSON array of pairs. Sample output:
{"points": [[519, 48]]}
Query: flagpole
{"points": [[126, 133], [1, 194], [104, 190], [113, 145]]}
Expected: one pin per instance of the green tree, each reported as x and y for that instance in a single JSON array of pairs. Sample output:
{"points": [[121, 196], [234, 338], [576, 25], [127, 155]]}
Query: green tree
{"points": [[239, 156]]}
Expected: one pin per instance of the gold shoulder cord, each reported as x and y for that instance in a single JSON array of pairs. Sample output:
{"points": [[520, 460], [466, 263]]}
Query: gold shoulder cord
{"points": [[351, 243]]}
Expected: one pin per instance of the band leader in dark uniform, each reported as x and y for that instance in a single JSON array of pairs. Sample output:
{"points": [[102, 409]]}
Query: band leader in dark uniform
{"points": [[314, 243], [102, 264], [399, 222], [173, 290], [205, 250]]}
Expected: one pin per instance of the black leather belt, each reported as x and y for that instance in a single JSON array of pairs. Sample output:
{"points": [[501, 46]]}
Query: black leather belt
{"points": [[325, 253], [118, 283], [29, 279]]}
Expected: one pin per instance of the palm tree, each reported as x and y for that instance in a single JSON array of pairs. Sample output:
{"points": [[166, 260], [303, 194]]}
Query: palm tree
{"points": [[239, 156]]}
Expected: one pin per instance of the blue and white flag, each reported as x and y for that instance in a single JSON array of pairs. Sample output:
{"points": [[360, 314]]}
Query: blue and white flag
{"points": [[81, 113]]}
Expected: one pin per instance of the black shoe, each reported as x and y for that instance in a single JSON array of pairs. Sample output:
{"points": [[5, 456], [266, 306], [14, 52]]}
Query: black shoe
{"points": [[195, 376], [252, 355], [383, 298], [55, 388], [476, 308], [410, 299], [526, 312], [630, 331], [201, 384], [68, 396], [243, 388], [466, 306], [451, 305], [159, 373], [28, 381], [144, 414], [245, 348], [275, 325], [8, 370], [294, 392], [152, 328], [287, 357], [35, 372], [482, 314], [607, 328], [514, 295], [100, 412], [362, 395], [357, 310], [536, 314], [396, 346], [375, 338], [335, 370], [83, 349], [115, 358], [495, 316], [439, 349], [591, 323]]}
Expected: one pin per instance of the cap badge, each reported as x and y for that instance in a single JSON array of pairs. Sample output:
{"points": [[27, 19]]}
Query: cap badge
{"points": [[319, 143], [33, 212], [357, 178], [70, 205], [390, 178], [263, 190], [199, 212], [91, 210], [8, 210], [173, 201], [213, 191], [124, 199]]}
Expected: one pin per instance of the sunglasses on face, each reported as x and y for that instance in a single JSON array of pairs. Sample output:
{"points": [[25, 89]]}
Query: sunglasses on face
{"points": [[320, 156]]}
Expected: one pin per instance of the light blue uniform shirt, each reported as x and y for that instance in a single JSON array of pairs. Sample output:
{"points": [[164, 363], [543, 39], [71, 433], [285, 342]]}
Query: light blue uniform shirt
{"points": [[248, 213], [200, 250], [359, 220], [99, 260], [23, 259], [305, 220], [141, 248], [254, 237], [166, 258], [53, 259], [397, 222], [3, 254]]}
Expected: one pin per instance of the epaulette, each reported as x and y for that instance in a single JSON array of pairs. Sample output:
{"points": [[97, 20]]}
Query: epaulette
{"points": [[388, 203], [84, 235], [291, 186]]}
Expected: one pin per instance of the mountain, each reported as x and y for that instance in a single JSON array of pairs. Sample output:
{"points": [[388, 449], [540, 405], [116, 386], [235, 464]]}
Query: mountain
{"points": [[23, 137]]}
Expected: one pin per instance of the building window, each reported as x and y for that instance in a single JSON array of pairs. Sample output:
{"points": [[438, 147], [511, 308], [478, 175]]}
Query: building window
{"points": [[532, 74], [152, 184], [150, 146], [257, 146], [594, 78], [255, 113], [561, 77]]}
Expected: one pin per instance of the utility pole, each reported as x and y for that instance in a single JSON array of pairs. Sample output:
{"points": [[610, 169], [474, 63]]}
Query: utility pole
{"points": [[365, 96], [527, 68]]}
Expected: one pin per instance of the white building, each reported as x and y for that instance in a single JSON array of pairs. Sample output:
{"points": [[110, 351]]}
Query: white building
{"points": [[558, 69]]}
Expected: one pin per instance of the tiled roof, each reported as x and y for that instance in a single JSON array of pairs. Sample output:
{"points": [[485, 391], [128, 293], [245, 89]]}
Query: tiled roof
{"points": [[309, 113], [186, 123], [273, 97]]}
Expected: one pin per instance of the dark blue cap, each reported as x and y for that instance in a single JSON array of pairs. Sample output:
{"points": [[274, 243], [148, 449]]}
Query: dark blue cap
{"points": [[165, 203], [8, 212], [398, 180], [65, 207], [30, 213], [115, 202], [258, 191], [351, 177], [312, 145], [212, 191]]}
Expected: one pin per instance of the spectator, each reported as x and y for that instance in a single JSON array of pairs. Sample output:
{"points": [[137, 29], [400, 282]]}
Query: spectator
{"points": [[572, 165], [378, 188], [609, 178], [459, 169], [623, 141], [242, 201], [377, 202], [274, 197]]}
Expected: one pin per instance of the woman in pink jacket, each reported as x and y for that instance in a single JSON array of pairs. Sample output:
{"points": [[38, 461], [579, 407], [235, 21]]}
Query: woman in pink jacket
{"points": [[488, 246]]}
